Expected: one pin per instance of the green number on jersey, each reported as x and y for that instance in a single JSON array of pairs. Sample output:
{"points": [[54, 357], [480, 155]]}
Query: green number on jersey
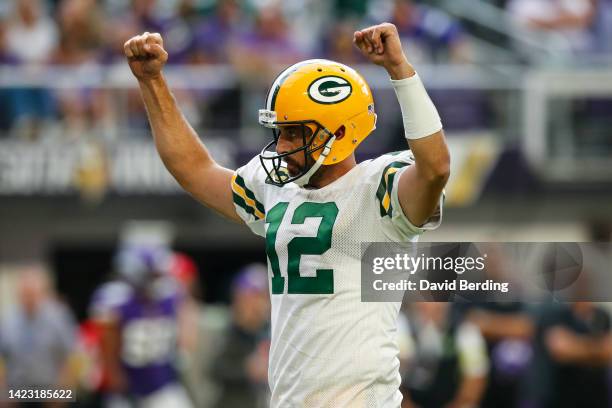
{"points": [[274, 217], [323, 282]]}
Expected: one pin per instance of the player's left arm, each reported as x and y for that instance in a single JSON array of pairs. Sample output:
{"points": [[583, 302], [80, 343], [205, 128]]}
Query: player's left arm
{"points": [[420, 186]]}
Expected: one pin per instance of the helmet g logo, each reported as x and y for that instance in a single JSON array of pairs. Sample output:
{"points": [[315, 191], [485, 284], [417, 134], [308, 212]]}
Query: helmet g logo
{"points": [[329, 89]]}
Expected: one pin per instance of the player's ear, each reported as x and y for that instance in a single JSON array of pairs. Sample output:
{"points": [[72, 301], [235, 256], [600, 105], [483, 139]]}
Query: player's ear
{"points": [[340, 132]]}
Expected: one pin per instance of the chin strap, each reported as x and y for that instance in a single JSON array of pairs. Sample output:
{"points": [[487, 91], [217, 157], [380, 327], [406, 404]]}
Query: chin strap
{"points": [[302, 181]]}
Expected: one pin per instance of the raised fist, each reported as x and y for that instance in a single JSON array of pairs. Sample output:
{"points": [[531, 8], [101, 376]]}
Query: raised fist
{"points": [[146, 55], [381, 45]]}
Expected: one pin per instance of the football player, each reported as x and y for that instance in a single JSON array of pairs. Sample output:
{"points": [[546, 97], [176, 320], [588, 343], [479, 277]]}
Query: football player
{"points": [[314, 205], [138, 319]]}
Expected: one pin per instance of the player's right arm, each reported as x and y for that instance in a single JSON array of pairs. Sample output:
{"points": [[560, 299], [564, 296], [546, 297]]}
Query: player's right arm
{"points": [[179, 147]]}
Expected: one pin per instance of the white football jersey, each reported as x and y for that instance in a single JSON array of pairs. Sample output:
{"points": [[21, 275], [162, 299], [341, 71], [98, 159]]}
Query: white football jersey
{"points": [[329, 349]]}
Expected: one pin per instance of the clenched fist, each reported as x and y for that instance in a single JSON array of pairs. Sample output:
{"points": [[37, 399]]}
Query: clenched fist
{"points": [[146, 55], [381, 45]]}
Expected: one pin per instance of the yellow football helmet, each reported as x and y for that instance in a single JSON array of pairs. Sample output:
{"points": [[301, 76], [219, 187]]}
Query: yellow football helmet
{"points": [[322, 95]]}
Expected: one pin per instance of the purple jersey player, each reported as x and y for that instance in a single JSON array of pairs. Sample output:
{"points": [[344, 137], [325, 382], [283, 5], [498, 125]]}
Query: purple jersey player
{"points": [[139, 314]]}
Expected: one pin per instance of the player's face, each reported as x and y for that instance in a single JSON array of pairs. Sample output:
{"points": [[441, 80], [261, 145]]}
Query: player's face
{"points": [[293, 137]]}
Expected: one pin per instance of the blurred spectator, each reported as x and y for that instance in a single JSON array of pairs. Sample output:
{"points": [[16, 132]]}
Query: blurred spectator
{"points": [[37, 336], [144, 13], [29, 37], [139, 319], [258, 52], [565, 25], [241, 365], [85, 112], [10, 99], [80, 27], [175, 21], [82, 111], [337, 43], [427, 34], [191, 338], [309, 20], [564, 373], [445, 361], [212, 38], [180, 33], [213, 35], [120, 25], [507, 329], [32, 34], [603, 26]]}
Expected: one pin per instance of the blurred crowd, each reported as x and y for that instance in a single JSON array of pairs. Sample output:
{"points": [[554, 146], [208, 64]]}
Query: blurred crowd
{"points": [[506, 355], [248, 34], [253, 38], [256, 34], [149, 340]]}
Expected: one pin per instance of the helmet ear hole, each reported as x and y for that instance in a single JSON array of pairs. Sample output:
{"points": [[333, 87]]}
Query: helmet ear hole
{"points": [[340, 132]]}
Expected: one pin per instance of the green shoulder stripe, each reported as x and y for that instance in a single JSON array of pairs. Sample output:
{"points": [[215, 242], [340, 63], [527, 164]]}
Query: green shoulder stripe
{"points": [[385, 187], [249, 193], [240, 202]]}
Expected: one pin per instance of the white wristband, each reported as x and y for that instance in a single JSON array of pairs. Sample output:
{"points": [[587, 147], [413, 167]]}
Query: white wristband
{"points": [[420, 116]]}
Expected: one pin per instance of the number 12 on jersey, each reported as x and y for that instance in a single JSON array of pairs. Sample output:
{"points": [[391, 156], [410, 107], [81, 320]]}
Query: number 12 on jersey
{"points": [[323, 282]]}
